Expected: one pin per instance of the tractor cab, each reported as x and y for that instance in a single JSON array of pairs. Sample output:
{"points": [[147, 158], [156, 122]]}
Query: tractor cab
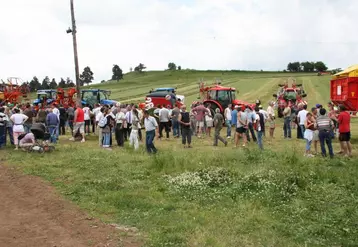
{"points": [[45, 96], [222, 95], [95, 96]]}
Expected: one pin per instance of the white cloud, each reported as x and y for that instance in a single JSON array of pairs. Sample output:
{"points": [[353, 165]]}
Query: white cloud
{"points": [[200, 34]]}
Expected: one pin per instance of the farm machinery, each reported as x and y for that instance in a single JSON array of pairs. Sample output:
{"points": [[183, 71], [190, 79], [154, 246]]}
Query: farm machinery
{"points": [[162, 96], [292, 96], [344, 88], [12, 90]]}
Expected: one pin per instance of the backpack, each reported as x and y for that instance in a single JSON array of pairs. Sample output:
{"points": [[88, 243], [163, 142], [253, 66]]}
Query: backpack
{"points": [[103, 122]]}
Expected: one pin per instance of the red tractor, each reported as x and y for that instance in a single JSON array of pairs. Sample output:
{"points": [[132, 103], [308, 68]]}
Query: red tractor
{"points": [[289, 95], [219, 96], [11, 91], [162, 96]]}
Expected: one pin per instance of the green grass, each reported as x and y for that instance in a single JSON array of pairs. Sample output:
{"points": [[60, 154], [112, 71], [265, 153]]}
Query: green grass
{"points": [[211, 196]]}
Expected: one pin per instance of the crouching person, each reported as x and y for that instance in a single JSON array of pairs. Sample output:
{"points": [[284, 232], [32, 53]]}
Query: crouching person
{"points": [[26, 141]]}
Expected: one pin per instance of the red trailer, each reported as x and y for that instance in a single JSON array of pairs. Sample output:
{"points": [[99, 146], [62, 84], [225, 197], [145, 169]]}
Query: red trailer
{"points": [[344, 88]]}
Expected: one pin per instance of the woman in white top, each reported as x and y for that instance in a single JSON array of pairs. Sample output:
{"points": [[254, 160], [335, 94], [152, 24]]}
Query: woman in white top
{"points": [[18, 120], [133, 138], [87, 115], [271, 118], [209, 120]]}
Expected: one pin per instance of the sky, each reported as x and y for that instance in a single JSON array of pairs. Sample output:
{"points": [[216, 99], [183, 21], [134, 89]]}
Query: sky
{"points": [[196, 34]]}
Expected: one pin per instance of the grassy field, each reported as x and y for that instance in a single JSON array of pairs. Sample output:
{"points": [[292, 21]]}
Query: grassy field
{"points": [[211, 196]]}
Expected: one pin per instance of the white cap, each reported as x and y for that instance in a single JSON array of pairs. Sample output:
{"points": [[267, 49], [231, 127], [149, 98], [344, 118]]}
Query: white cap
{"points": [[236, 106]]}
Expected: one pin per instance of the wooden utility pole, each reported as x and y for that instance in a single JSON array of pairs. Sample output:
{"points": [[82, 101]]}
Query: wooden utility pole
{"points": [[74, 32]]}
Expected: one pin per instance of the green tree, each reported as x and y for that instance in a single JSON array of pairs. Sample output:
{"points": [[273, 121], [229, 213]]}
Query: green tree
{"points": [[62, 83], [117, 73], [172, 66], [320, 66], [53, 84], [179, 67], [308, 66], [45, 83], [140, 68], [294, 67], [34, 84], [86, 76], [69, 82]]}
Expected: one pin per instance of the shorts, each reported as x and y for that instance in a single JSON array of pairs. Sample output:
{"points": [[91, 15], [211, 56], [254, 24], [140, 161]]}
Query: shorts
{"points": [[272, 124], [79, 127], [200, 124], [241, 130], [345, 137], [315, 135]]}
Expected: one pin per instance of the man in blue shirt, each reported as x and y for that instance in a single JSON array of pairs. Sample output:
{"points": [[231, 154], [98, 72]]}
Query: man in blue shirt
{"points": [[251, 118], [52, 121], [234, 116]]}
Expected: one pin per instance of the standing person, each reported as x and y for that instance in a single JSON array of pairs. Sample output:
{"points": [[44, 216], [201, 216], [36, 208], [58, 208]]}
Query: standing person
{"points": [[185, 123], [287, 122], [41, 116], [18, 119], [151, 126], [120, 123], [260, 126], [30, 114], [344, 120], [301, 119], [200, 111], [106, 128], [133, 138], [164, 122], [208, 120], [315, 138], [87, 117], [63, 119], [99, 117], [3, 121], [9, 126], [218, 121], [308, 135], [234, 116], [241, 127], [79, 123], [251, 118], [128, 124], [56, 111], [96, 111], [333, 116], [271, 119], [228, 118], [192, 115], [140, 115], [70, 117], [325, 128], [175, 115], [52, 122]]}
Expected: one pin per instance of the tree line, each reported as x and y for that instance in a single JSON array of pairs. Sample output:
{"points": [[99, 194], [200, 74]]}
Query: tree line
{"points": [[318, 66]]}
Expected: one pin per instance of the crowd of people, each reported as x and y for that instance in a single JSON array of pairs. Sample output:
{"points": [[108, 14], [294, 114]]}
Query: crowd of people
{"points": [[126, 122]]}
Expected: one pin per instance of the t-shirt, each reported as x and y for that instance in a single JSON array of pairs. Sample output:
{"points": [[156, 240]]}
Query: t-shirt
{"points": [[80, 115], [200, 112], [228, 115], [270, 111], [287, 112], [175, 113], [18, 119], [324, 123], [302, 115], [87, 111], [344, 120], [150, 124], [243, 118], [71, 111], [234, 117], [29, 114], [218, 120], [164, 115], [120, 117]]}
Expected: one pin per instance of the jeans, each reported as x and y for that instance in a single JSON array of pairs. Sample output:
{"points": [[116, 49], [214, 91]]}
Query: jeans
{"points": [[163, 125], [175, 124], [119, 133], [8, 130], [217, 137], [149, 141], [27, 128], [106, 139], [287, 127], [53, 133], [302, 128], [2, 136], [251, 130], [228, 125], [259, 139], [308, 145], [325, 138], [186, 135]]}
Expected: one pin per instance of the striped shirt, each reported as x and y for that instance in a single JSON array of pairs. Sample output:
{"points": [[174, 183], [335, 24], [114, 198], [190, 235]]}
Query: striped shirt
{"points": [[324, 123]]}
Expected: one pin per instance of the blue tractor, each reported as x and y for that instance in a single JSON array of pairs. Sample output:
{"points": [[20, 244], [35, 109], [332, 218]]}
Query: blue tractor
{"points": [[95, 96]]}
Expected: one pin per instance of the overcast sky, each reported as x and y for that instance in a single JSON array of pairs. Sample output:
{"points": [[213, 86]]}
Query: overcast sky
{"points": [[197, 34]]}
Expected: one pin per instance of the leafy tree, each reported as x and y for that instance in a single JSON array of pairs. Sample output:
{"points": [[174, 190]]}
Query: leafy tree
{"points": [[179, 67], [172, 66], [34, 84], [45, 83], [140, 68], [320, 66], [86, 76], [69, 82], [294, 67], [117, 73], [53, 84], [308, 66], [62, 83]]}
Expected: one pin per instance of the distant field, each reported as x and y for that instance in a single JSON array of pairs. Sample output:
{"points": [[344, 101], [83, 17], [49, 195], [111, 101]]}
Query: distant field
{"points": [[211, 196]]}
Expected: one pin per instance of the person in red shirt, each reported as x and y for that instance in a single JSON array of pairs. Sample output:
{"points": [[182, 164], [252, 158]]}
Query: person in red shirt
{"points": [[79, 123], [344, 120]]}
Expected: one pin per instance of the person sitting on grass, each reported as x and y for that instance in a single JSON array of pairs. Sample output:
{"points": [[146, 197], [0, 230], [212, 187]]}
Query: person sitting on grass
{"points": [[26, 141]]}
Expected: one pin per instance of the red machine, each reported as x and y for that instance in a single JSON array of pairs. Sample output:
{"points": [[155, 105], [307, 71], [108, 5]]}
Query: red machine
{"points": [[219, 96], [162, 96], [11, 91], [291, 95], [66, 98], [344, 88]]}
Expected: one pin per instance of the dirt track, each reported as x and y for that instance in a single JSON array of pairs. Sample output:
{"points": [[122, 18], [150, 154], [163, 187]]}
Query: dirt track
{"points": [[33, 214]]}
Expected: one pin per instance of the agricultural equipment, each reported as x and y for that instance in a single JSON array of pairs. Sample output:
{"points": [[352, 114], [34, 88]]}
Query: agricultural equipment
{"points": [[219, 96], [45, 97], [162, 96], [344, 88], [289, 95], [12, 90], [96, 96]]}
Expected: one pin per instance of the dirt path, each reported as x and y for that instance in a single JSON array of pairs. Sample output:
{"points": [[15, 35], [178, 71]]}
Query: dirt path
{"points": [[33, 214]]}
